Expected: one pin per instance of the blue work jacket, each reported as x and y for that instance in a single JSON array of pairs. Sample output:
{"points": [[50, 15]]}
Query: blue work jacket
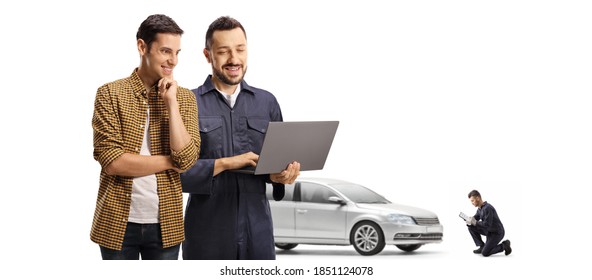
{"points": [[488, 220], [228, 215]]}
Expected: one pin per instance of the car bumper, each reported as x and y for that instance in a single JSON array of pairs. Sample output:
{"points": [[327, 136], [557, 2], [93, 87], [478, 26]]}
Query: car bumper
{"points": [[396, 234]]}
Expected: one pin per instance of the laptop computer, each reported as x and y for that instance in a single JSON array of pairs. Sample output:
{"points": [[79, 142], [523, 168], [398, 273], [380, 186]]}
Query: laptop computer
{"points": [[306, 142]]}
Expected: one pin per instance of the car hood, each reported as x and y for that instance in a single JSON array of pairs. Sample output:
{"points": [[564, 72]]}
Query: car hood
{"points": [[393, 208]]}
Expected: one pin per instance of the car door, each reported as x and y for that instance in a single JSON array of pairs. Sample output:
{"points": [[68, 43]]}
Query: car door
{"points": [[316, 217], [282, 212]]}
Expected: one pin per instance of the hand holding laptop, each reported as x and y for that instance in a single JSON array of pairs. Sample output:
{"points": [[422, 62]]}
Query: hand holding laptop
{"points": [[287, 176], [471, 221]]}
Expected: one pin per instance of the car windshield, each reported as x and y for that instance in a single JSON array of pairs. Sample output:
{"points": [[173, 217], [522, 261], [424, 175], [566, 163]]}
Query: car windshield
{"points": [[359, 194]]}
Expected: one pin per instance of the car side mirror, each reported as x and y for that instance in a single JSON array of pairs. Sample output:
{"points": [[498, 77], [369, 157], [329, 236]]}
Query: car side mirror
{"points": [[337, 200]]}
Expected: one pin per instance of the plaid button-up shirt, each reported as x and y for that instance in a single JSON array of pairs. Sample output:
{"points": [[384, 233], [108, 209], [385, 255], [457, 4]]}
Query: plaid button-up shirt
{"points": [[118, 124]]}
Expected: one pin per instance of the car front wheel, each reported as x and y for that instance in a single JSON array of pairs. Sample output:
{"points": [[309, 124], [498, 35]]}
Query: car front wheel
{"points": [[367, 238], [409, 248], [286, 246]]}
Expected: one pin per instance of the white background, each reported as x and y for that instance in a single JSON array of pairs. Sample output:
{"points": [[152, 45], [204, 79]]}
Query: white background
{"points": [[435, 98]]}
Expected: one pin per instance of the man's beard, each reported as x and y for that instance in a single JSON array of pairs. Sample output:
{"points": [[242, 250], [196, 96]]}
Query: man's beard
{"points": [[227, 80]]}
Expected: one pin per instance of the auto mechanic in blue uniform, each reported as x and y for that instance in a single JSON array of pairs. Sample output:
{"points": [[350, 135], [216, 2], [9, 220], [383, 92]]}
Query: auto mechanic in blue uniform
{"points": [[487, 222], [227, 214]]}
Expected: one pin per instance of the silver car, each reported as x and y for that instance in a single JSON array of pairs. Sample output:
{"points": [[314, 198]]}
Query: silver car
{"points": [[333, 212]]}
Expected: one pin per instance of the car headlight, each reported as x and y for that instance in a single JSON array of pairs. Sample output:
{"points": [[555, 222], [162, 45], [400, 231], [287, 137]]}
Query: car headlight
{"points": [[401, 219]]}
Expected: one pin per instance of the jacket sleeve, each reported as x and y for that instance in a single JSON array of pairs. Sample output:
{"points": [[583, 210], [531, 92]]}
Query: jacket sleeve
{"points": [[199, 179], [276, 115], [477, 215], [486, 220]]}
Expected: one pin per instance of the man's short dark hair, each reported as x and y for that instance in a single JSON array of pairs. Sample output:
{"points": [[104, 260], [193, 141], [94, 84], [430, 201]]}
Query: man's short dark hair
{"points": [[474, 193], [155, 24], [222, 23]]}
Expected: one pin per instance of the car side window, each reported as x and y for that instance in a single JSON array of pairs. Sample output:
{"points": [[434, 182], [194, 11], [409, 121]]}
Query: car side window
{"points": [[315, 193], [288, 195]]}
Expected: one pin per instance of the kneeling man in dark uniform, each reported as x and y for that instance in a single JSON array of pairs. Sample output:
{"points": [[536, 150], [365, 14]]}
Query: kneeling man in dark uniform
{"points": [[487, 222]]}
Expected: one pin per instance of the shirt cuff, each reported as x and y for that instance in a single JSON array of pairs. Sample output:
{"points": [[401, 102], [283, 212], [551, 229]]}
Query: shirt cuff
{"points": [[186, 157], [108, 156]]}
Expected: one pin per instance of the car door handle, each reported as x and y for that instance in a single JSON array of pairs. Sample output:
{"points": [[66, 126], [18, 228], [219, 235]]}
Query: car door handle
{"points": [[301, 211]]}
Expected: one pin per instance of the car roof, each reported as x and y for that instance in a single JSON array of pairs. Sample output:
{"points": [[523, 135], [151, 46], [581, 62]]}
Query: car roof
{"points": [[327, 181]]}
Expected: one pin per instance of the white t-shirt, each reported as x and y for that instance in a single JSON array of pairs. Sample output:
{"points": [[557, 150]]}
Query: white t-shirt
{"points": [[144, 205], [231, 97]]}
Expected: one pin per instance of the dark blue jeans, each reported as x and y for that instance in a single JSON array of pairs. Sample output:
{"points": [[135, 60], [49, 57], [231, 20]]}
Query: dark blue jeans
{"points": [[141, 240], [491, 245]]}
